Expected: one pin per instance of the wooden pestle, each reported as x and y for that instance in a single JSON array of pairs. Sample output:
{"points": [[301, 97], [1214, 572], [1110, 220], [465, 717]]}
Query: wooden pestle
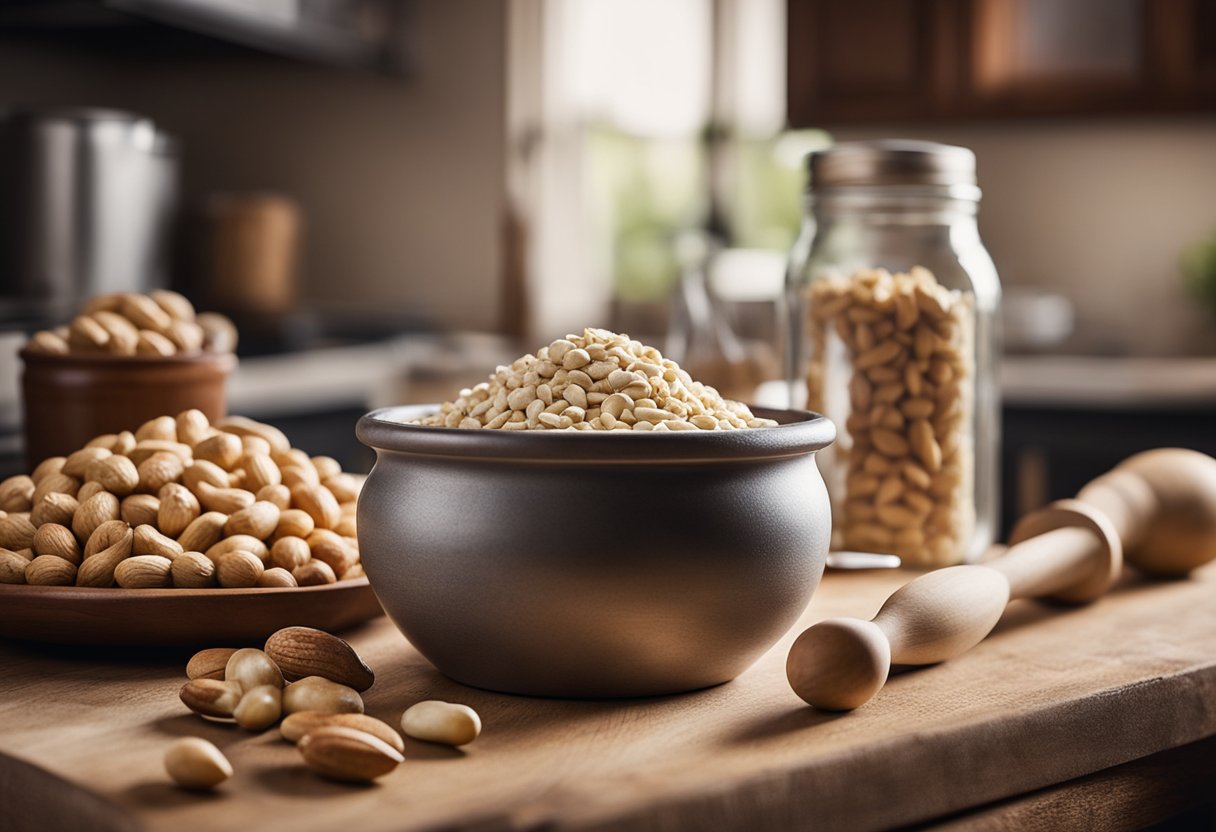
{"points": [[1157, 508]]}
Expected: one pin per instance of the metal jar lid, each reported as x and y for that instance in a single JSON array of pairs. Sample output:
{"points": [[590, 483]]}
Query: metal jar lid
{"points": [[893, 162]]}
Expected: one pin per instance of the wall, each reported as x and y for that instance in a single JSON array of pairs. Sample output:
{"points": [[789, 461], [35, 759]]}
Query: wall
{"points": [[1099, 211], [400, 180]]}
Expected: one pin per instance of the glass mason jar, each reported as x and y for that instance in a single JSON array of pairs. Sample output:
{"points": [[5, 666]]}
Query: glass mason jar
{"points": [[893, 335]]}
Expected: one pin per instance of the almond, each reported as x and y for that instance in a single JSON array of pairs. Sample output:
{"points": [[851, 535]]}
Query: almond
{"points": [[77, 464], [57, 541], [296, 726], [347, 754], [203, 532], [139, 510], [17, 493], [223, 449], [56, 483], [238, 541], [243, 426], [12, 567], [314, 573], [260, 471], [49, 570], [145, 448], [354, 573], [117, 474], [98, 571], [294, 522], [159, 470], [226, 500], [211, 697], [144, 572], [203, 471], [193, 427], [193, 570], [54, 508], [276, 577], [148, 541], [17, 532], [330, 547], [304, 651], [257, 520], [94, 511], [48, 466], [319, 502], [280, 495], [178, 509], [290, 553], [209, 663], [90, 489], [238, 569], [105, 536]]}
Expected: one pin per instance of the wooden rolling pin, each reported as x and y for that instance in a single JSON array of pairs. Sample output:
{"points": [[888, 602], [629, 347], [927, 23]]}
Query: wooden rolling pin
{"points": [[1157, 509]]}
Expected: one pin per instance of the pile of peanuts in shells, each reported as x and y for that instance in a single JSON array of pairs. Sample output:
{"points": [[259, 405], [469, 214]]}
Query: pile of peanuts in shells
{"points": [[907, 444], [599, 380], [309, 683], [184, 503], [160, 323]]}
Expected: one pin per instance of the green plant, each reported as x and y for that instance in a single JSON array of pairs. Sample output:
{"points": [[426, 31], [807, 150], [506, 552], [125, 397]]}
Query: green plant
{"points": [[1199, 270]]}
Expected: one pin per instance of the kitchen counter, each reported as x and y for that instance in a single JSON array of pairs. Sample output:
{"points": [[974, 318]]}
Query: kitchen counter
{"points": [[1104, 382], [1115, 701]]}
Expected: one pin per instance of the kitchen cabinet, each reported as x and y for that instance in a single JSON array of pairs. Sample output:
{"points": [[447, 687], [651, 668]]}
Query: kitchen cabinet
{"points": [[1069, 419], [1091, 717], [926, 60]]}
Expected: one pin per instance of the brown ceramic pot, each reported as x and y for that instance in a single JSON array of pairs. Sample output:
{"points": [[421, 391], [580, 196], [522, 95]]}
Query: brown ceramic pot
{"points": [[69, 399], [593, 564]]}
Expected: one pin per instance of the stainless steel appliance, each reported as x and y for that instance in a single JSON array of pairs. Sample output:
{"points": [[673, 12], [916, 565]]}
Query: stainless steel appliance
{"points": [[86, 201]]}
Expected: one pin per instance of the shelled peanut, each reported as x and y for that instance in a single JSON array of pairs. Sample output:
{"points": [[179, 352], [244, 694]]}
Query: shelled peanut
{"points": [[180, 502], [907, 448], [160, 323], [598, 380], [311, 681]]}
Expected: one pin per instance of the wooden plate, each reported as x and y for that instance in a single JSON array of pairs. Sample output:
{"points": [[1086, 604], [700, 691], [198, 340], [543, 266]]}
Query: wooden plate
{"points": [[178, 617]]}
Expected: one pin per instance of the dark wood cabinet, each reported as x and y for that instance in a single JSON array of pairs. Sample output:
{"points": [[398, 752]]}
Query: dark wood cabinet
{"points": [[857, 61]]}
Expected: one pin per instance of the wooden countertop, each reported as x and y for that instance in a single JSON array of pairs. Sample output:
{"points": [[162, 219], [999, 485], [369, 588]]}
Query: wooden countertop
{"points": [[1054, 694]]}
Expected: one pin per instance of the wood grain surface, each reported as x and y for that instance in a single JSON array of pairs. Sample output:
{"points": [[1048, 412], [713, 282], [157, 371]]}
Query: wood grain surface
{"points": [[1054, 694]]}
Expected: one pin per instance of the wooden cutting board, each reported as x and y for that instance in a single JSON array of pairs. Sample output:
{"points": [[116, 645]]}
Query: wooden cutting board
{"points": [[1054, 694]]}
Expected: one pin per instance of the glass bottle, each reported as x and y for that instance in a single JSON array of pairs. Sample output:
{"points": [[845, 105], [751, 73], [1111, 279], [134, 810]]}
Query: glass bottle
{"points": [[893, 335]]}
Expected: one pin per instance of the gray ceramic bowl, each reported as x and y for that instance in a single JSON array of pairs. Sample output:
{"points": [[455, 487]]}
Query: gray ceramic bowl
{"points": [[593, 564]]}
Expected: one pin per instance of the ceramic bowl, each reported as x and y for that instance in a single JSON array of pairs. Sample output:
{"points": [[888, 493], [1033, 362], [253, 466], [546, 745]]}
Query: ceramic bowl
{"points": [[602, 564]]}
